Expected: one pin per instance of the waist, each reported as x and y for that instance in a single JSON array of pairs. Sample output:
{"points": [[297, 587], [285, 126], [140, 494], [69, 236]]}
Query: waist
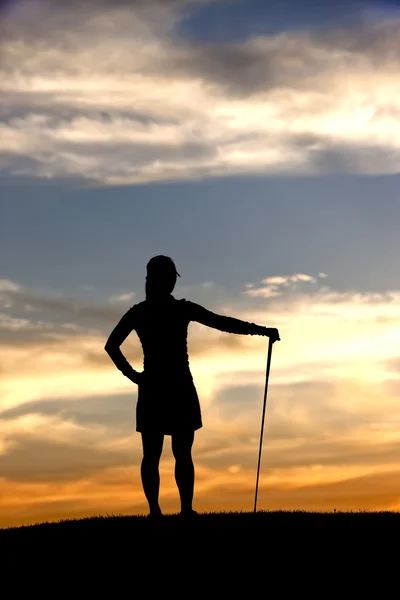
{"points": [[165, 363]]}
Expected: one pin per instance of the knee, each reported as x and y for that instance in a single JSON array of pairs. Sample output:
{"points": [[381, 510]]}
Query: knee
{"points": [[182, 457], [182, 448], [151, 458]]}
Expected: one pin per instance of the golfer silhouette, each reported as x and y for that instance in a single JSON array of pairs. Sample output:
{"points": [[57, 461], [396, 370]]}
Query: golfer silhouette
{"points": [[168, 403]]}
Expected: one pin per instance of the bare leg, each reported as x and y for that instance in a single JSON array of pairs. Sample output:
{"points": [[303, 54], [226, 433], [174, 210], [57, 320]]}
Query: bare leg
{"points": [[152, 449], [184, 468]]}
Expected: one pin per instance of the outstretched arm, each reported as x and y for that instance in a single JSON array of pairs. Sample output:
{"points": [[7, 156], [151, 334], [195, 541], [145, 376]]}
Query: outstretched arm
{"points": [[229, 324], [116, 338]]}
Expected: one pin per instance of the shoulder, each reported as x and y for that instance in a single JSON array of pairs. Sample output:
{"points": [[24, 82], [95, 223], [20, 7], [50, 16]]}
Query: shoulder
{"points": [[191, 309], [183, 303], [136, 309], [138, 306]]}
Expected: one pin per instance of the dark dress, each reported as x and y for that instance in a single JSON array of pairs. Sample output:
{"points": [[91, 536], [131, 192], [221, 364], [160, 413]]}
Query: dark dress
{"points": [[167, 396]]}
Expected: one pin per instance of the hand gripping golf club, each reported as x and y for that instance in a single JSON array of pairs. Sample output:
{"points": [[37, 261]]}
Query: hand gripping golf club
{"points": [[263, 418]]}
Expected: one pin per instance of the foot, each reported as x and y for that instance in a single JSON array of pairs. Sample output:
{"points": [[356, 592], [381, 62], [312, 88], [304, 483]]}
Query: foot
{"points": [[188, 513], [155, 515]]}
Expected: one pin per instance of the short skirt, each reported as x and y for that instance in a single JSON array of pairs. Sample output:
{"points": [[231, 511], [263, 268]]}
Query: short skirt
{"points": [[167, 404]]}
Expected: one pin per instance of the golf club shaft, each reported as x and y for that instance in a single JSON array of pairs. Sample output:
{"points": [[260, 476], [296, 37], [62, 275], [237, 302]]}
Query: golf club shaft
{"points": [[263, 418]]}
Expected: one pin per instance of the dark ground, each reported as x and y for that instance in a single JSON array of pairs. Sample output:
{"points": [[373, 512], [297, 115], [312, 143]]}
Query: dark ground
{"points": [[230, 545]]}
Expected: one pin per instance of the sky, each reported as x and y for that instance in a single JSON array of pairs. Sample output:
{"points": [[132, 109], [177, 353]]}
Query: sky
{"points": [[258, 145]]}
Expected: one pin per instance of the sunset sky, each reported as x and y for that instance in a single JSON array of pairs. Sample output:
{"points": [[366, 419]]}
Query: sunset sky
{"points": [[257, 144]]}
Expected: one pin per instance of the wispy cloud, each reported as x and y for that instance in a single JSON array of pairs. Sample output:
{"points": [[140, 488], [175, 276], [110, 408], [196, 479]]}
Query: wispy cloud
{"points": [[276, 286], [9, 286], [122, 297], [111, 95]]}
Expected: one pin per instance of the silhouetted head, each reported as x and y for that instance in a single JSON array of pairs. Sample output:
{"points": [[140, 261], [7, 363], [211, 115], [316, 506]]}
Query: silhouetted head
{"points": [[161, 276]]}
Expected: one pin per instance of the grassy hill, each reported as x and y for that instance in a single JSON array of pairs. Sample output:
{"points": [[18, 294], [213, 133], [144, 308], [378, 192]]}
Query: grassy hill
{"points": [[123, 548], [271, 521]]}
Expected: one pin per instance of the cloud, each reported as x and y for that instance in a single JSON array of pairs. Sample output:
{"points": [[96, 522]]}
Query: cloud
{"points": [[8, 286], [367, 492], [41, 461], [18, 298], [307, 422], [261, 63], [123, 297], [111, 95], [276, 286], [275, 280], [117, 415]]}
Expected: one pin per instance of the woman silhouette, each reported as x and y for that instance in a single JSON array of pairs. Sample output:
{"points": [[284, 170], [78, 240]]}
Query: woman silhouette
{"points": [[168, 403]]}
